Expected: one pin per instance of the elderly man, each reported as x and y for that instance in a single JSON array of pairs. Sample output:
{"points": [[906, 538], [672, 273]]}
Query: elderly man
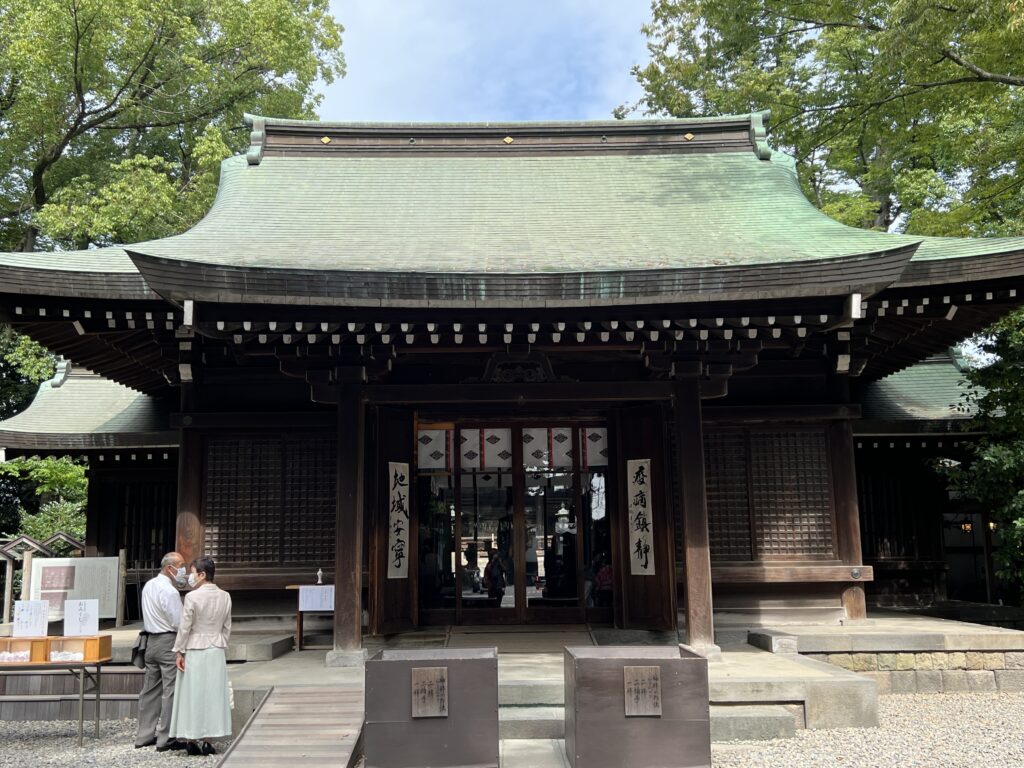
{"points": [[161, 615]]}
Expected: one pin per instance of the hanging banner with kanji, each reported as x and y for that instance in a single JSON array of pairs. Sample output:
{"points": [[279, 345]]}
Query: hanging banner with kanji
{"points": [[398, 520], [641, 518]]}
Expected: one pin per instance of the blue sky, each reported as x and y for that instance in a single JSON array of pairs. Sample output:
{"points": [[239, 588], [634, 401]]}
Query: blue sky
{"points": [[441, 60]]}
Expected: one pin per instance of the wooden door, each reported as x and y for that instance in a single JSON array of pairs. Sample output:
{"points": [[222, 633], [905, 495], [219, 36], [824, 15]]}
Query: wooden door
{"points": [[392, 603], [644, 601]]}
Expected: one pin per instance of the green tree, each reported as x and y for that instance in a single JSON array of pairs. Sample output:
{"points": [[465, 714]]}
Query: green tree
{"points": [[901, 114], [994, 475], [115, 112], [24, 365], [52, 492]]}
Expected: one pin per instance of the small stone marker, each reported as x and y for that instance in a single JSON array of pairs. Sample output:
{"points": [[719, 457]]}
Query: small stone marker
{"points": [[429, 691], [642, 691]]}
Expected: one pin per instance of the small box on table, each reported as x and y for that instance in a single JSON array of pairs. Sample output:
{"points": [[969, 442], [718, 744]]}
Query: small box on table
{"points": [[24, 650], [88, 648]]}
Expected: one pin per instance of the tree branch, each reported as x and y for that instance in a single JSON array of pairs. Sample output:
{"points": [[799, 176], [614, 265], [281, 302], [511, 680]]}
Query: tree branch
{"points": [[979, 73]]}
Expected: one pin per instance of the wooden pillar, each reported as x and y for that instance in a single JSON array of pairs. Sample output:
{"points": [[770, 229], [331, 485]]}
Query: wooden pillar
{"points": [[348, 551], [694, 513], [189, 527], [8, 588], [92, 514], [844, 483]]}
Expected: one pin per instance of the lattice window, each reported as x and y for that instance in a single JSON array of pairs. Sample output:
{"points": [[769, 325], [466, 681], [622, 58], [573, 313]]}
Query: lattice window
{"points": [[791, 494], [725, 459], [270, 501], [309, 500]]}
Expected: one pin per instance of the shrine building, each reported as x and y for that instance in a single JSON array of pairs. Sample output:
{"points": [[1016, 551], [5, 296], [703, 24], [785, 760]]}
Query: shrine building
{"points": [[620, 373]]}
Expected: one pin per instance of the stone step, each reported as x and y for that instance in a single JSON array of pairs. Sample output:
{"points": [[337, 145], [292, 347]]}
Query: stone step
{"points": [[753, 722], [529, 693], [531, 722]]}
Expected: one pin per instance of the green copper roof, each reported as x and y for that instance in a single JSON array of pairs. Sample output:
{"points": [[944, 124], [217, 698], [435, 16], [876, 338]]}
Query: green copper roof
{"points": [[79, 409], [930, 390], [438, 214]]}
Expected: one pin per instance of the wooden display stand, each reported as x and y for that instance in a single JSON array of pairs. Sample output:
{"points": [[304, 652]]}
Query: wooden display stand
{"points": [[93, 648], [96, 651], [38, 647]]}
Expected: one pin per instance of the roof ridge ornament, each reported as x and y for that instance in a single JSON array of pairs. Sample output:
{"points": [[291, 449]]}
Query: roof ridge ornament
{"points": [[257, 138], [759, 134]]}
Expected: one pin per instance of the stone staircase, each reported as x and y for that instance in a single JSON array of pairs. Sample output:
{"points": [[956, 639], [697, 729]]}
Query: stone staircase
{"points": [[536, 710]]}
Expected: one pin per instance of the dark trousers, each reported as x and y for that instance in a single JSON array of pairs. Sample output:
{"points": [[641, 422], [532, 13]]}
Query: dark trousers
{"points": [[157, 697]]}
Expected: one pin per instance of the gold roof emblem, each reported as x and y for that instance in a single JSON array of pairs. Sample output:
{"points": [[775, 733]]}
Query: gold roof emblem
{"points": [[688, 136], [508, 139], [325, 140]]}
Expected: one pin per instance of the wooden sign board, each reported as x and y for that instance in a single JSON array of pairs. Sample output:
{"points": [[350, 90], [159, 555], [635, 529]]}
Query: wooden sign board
{"points": [[429, 692], [641, 517], [59, 579], [398, 520], [642, 690], [31, 618]]}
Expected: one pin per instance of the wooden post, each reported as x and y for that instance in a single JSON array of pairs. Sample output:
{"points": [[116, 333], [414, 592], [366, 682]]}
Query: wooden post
{"points": [[26, 575], [122, 573], [348, 552], [8, 588], [189, 528], [844, 481], [694, 515]]}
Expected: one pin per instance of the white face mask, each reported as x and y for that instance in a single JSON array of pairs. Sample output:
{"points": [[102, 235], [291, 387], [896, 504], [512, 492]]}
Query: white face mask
{"points": [[192, 579], [179, 576]]}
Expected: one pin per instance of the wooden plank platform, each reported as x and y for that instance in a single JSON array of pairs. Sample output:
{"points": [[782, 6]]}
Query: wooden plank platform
{"points": [[311, 726]]}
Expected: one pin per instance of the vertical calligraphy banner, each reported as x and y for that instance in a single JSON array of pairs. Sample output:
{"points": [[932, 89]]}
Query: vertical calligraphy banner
{"points": [[398, 520], [641, 517]]}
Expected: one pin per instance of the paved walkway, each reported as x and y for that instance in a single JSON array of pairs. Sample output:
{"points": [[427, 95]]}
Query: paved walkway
{"points": [[308, 726]]}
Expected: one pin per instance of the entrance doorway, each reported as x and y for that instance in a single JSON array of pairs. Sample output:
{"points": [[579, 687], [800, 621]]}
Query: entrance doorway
{"points": [[514, 523]]}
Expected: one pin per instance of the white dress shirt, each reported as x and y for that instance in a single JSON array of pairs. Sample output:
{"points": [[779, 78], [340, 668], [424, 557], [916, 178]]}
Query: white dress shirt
{"points": [[161, 605]]}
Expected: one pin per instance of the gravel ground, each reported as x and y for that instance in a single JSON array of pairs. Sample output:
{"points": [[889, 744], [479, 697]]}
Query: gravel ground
{"points": [[976, 730], [44, 744]]}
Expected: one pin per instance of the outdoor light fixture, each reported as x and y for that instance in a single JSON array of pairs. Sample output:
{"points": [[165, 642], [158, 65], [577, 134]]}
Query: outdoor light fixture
{"points": [[967, 527], [991, 525]]}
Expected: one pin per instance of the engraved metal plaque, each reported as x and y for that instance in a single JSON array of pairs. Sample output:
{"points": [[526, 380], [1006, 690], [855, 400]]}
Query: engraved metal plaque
{"points": [[642, 689], [430, 692]]}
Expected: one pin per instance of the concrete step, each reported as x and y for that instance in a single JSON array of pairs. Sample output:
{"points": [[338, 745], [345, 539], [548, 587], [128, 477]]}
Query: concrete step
{"points": [[531, 722], [523, 693], [754, 722]]}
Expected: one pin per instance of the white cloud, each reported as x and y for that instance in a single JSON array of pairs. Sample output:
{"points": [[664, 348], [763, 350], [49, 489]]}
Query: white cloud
{"points": [[455, 60]]}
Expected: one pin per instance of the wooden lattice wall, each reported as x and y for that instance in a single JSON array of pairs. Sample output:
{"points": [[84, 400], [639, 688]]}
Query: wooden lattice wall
{"points": [[769, 494], [270, 501]]}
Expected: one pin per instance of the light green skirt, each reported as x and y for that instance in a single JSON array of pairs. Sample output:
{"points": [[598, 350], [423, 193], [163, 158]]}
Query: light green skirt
{"points": [[201, 706]]}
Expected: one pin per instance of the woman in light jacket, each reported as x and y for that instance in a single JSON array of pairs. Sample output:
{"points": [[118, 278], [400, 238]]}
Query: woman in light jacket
{"points": [[202, 710]]}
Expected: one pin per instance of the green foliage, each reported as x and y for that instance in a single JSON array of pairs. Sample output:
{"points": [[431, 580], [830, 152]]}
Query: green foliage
{"points": [[995, 474], [60, 480], [115, 112], [911, 105], [55, 517], [24, 364]]}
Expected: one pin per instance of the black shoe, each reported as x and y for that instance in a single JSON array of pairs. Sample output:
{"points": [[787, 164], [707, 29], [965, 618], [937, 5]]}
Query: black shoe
{"points": [[208, 748], [172, 744], [146, 744], [194, 750]]}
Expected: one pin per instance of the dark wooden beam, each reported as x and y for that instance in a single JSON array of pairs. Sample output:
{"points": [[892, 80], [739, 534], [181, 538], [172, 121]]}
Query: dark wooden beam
{"points": [[783, 572], [756, 413], [694, 512], [516, 393], [844, 485], [189, 526], [348, 552]]}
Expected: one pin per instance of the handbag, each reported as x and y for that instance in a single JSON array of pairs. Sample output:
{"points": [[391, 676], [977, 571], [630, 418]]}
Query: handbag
{"points": [[139, 649]]}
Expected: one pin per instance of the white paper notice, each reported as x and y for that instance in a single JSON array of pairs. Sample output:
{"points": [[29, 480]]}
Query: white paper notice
{"points": [[398, 520], [316, 597], [641, 518], [81, 618], [30, 618]]}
